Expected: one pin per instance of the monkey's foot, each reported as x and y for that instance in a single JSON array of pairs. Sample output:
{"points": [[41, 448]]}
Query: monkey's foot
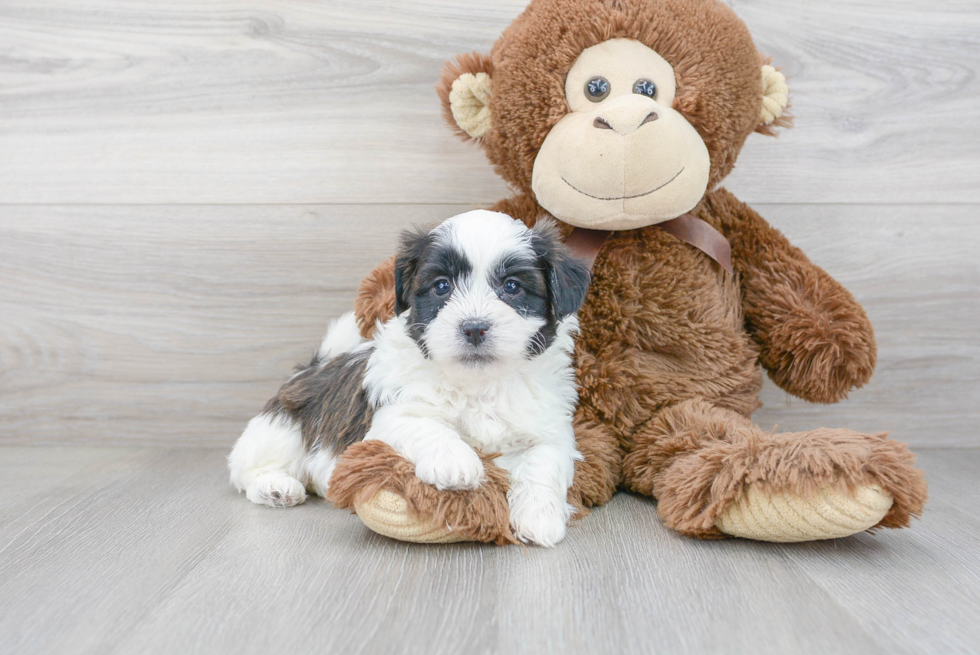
{"points": [[381, 486], [387, 514], [789, 517]]}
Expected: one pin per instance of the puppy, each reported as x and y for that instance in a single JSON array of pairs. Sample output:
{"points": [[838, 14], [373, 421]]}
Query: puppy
{"points": [[478, 355]]}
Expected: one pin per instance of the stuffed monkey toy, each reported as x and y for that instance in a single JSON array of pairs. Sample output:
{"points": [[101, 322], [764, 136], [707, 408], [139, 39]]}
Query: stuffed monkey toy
{"points": [[620, 118]]}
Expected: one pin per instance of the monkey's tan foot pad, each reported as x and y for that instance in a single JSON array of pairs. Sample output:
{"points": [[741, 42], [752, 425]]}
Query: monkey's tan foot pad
{"points": [[788, 517], [387, 514]]}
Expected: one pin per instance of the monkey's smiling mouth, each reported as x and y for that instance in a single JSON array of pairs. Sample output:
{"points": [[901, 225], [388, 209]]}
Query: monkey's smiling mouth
{"points": [[639, 195]]}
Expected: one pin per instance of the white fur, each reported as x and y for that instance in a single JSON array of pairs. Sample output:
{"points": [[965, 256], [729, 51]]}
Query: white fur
{"points": [[508, 337], [265, 461], [269, 462], [435, 417], [483, 236], [342, 336], [434, 410]]}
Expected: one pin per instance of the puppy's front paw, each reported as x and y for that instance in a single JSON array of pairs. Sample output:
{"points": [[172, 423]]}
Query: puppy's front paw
{"points": [[450, 465], [543, 524]]}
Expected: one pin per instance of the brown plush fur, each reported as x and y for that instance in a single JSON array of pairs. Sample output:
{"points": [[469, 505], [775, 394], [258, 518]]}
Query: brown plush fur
{"points": [[599, 472], [669, 353], [696, 458], [719, 83], [817, 342], [477, 515], [472, 62], [375, 298]]}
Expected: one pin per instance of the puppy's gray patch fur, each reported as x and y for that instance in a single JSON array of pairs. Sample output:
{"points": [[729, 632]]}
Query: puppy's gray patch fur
{"points": [[329, 401]]}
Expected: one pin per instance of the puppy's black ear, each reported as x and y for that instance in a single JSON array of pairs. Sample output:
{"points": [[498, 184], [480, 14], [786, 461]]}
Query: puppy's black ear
{"points": [[412, 245], [568, 277]]}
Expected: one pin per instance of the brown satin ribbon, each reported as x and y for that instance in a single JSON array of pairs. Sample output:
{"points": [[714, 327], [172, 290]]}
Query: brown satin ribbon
{"points": [[585, 243]]}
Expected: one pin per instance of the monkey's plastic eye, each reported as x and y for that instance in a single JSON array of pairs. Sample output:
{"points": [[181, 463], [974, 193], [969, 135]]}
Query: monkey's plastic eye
{"points": [[645, 88], [511, 287], [442, 287], [597, 89]]}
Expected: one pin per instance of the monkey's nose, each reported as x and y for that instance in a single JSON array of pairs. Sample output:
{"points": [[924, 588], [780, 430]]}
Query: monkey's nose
{"points": [[652, 116], [624, 122], [474, 331]]}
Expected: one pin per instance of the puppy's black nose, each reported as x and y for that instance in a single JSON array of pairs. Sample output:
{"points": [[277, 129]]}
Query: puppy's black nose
{"points": [[474, 331]]}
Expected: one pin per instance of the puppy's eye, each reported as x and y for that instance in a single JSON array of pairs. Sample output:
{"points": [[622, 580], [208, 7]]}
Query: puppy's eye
{"points": [[511, 287], [645, 88], [597, 89], [441, 287]]}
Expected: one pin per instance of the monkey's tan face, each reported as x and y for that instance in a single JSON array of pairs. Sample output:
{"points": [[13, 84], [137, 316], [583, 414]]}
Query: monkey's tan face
{"points": [[622, 158]]}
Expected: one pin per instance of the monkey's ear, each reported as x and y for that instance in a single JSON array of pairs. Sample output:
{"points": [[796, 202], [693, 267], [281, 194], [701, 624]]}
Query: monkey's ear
{"points": [[464, 88], [775, 100]]}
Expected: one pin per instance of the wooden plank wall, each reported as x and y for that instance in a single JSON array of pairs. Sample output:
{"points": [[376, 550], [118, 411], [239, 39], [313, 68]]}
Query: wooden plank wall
{"points": [[190, 190]]}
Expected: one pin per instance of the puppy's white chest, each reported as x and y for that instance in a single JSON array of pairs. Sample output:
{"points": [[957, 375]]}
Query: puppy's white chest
{"points": [[483, 425]]}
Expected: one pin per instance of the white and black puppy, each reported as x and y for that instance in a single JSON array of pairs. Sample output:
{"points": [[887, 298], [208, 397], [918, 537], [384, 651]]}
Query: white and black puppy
{"points": [[479, 355]]}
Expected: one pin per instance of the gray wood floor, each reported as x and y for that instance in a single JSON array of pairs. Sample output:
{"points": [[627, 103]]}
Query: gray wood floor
{"points": [[140, 550]]}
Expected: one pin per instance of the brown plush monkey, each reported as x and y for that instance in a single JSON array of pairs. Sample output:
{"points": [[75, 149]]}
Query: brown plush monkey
{"points": [[621, 115]]}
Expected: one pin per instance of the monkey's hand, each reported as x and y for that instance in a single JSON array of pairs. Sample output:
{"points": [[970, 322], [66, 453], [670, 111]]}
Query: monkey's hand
{"points": [[816, 341], [375, 298]]}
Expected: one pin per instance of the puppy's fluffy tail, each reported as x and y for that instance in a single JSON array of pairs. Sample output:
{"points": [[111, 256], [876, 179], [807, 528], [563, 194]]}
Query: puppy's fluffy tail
{"points": [[342, 336]]}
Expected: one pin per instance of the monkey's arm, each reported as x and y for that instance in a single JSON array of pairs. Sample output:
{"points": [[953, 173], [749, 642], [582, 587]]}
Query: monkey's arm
{"points": [[816, 341], [375, 299]]}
